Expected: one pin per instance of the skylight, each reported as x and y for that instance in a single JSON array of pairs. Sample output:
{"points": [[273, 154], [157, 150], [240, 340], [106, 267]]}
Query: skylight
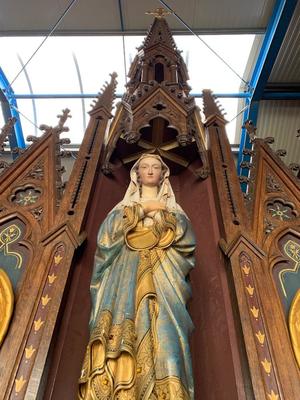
{"points": [[74, 65]]}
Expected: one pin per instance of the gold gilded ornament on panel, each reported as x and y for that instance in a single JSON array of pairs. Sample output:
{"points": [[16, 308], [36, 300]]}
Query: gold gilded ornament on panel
{"points": [[260, 337], [294, 325], [29, 351], [255, 312], [38, 324], [19, 383], [6, 303], [10, 235], [292, 250], [273, 396]]}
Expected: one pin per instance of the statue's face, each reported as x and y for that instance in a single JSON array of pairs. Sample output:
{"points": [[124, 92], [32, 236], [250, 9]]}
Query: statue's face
{"points": [[149, 170]]}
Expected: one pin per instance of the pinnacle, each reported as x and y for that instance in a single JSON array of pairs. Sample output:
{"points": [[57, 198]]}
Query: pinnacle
{"points": [[107, 95], [159, 33]]}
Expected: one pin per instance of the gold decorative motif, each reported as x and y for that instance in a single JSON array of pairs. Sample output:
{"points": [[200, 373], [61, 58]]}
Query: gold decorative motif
{"points": [[250, 289], [273, 396], [6, 303], [282, 210], [267, 366], [294, 325], [29, 351], [10, 235], [45, 300], [57, 259], [19, 383], [51, 278], [170, 388], [26, 196], [255, 312], [159, 12], [38, 324], [292, 250], [246, 269], [260, 337]]}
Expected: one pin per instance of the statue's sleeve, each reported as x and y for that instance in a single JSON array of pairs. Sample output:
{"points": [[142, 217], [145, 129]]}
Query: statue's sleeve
{"points": [[111, 240], [185, 241]]}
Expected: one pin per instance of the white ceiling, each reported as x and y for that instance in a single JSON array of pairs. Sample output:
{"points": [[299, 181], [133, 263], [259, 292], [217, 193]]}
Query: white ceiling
{"points": [[35, 17], [88, 17]]}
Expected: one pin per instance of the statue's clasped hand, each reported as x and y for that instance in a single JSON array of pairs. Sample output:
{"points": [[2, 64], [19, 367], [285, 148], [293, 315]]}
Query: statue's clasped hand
{"points": [[151, 206]]}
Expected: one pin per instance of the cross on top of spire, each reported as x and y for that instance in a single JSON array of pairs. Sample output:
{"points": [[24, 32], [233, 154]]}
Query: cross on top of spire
{"points": [[159, 12]]}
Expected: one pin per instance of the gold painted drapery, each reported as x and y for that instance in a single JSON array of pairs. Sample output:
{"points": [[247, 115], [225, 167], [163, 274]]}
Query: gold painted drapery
{"points": [[138, 348]]}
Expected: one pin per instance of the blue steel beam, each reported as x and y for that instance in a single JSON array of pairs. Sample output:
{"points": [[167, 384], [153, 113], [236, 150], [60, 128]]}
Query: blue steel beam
{"points": [[267, 95], [10, 110], [277, 27], [118, 95]]}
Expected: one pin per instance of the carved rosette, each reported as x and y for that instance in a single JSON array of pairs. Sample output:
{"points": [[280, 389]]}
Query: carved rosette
{"points": [[281, 210], [26, 195], [258, 327], [41, 314]]}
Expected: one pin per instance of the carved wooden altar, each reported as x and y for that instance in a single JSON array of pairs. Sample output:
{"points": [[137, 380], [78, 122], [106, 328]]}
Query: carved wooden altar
{"points": [[246, 287]]}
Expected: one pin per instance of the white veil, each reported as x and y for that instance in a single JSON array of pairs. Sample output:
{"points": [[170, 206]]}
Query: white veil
{"points": [[165, 192]]}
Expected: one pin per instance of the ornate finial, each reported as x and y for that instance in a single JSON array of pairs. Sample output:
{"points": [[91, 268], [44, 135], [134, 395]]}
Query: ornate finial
{"points": [[107, 95], [281, 152], [62, 119], [251, 129], [159, 12], [269, 140], [6, 131], [59, 128]]}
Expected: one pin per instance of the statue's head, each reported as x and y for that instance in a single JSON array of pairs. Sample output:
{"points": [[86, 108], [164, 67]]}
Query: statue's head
{"points": [[150, 170]]}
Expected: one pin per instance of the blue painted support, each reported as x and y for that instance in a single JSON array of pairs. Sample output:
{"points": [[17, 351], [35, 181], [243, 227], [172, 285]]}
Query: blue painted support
{"points": [[242, 95], [278, 24], [276, 30], [10, 110]]}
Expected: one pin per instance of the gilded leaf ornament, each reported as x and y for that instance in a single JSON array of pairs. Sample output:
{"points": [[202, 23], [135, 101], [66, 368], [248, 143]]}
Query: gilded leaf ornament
{"points": [[57, 259], [260, 337], [45, 300], [29, 351], [51, 278], [246, 269], [19, 383], [292, 250], [38, 324], [250, 290], [267, 365], [255, 312], [273, 396], [6, 303], [8, 236]]}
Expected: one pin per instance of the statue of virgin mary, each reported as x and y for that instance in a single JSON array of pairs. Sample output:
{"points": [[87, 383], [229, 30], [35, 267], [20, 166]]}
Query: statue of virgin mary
{"points": [[139, 325]]}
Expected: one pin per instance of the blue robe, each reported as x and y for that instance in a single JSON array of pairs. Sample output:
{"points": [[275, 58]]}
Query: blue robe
{"points": [[139, 324]]}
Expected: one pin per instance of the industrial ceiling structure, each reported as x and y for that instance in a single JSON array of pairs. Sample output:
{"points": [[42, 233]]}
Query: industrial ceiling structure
{"points": [[270, 93]]}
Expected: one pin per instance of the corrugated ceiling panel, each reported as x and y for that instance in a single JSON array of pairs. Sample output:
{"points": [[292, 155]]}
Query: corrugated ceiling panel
{"points": [[204, 15], [287, 65], [94, 16], [281, 119]]}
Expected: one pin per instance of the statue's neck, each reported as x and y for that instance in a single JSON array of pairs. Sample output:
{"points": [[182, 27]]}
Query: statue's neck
{"points": [[149, 192]]}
